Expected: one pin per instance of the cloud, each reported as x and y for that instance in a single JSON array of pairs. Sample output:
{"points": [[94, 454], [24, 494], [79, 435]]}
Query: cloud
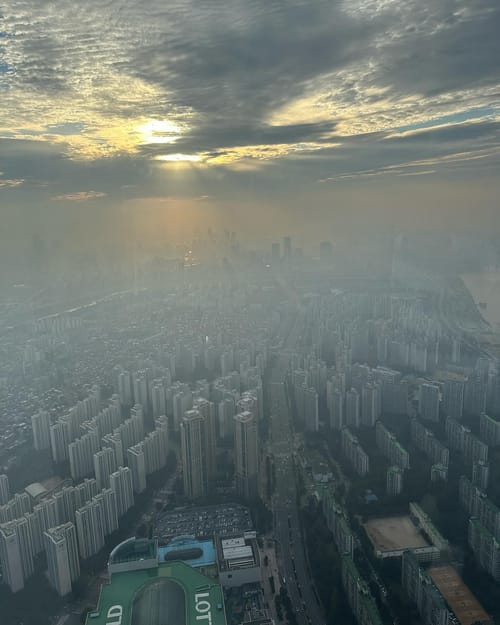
{"points": [[259, 98], [10, 184], [81, 196]]}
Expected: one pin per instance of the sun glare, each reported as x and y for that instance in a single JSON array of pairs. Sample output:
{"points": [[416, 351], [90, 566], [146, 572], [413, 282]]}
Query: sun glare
{"points": [[160, 131], [178, 158]]}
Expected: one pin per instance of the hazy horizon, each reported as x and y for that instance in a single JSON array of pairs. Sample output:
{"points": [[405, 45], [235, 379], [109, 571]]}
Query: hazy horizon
{"points": [[147, 121]]}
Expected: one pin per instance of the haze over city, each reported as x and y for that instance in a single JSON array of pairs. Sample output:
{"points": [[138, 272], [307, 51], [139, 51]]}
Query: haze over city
{"points": [[249, 312]]}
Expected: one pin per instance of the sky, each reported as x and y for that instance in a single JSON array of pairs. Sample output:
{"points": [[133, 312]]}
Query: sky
{"points": [[309, 117]]}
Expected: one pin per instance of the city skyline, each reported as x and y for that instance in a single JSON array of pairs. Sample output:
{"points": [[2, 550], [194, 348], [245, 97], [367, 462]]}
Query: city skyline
{"points": [[250, 312]]}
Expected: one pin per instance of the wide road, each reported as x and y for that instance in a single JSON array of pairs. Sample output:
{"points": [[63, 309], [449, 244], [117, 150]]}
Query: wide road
{"points": [[286, 515]]}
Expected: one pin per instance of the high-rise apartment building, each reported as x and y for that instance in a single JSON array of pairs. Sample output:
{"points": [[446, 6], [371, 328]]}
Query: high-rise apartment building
{"points": [[198, 454], [40, 424], [125, 391], [120, 483], [81, 454], [63, 563], [4, 489], [114, 441], [336, 409], [371, 401], [463, 440], [485, 547], [358, 594], [157, 398], [429, 402], [394, 481], [391, 447], [155, 446], [427, 442], [480, 474], [453, 399], [131, 431], [60, 438], [107, 500], [10, 558], [352, 408], [246, 455], [90, 528], [137, 464], [353, 451], [489, 429], [104, 465]]}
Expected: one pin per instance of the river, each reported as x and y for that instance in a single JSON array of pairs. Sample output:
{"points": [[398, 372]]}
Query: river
{"points": [[485, 287]]}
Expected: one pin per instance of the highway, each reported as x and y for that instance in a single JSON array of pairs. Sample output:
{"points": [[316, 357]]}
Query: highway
{"points": [[292, 560]]}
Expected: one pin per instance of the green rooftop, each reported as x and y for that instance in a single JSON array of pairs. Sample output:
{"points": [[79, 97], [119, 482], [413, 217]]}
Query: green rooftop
{"points": [[170, 594]]}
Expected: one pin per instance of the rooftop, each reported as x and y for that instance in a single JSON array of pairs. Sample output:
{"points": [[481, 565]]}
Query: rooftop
{"points": [[36, 490], [394, 533], [172, 594], [188, 549], [133, 549], [466, 607], [237, 552]]}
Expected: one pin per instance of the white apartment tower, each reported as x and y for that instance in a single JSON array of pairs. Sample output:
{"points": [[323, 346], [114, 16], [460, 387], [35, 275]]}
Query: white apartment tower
{"points": [[104, 465], [120, 483], [197, 454], [62, 557], [10, 558], [4, 489], [137, 464], [40, 424], [246, 455]]}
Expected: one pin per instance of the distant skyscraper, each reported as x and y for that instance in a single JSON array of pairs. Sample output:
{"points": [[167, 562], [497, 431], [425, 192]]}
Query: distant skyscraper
{"points": [[40, 424], [246, 455], [197, 454], [287, 247], [275, 252], [62, 557], [325, 250], [4, 489]]}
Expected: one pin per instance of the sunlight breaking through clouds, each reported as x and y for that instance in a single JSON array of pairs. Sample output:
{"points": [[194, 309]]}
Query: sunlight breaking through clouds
{"points": [[175, 83]]}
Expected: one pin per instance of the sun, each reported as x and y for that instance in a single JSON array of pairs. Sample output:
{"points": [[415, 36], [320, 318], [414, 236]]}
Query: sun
{"points": [[159, 131]]}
